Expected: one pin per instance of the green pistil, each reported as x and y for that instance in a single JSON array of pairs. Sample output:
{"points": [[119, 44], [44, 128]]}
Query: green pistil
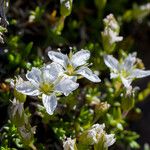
{"points": [[70, 69], [124, 73], [46, 88]]}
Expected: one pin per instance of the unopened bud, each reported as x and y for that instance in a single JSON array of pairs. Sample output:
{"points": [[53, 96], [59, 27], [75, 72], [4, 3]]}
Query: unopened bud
{"points": [[65, 7], [69, 144]]}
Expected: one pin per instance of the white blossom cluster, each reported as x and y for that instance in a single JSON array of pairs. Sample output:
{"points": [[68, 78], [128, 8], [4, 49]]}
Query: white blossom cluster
{"points": [[58, 77], [125, 70]]}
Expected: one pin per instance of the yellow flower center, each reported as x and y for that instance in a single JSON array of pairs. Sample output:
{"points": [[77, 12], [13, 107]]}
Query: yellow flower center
{"points": [[70, 70], [46, 88], [124, 73]]}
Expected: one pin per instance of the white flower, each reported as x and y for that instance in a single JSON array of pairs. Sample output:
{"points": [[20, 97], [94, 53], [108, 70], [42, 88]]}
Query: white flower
{"points": [[98, 134], [75, 64], [95, 132], [125, 70], [46, 82], [69, 144]]}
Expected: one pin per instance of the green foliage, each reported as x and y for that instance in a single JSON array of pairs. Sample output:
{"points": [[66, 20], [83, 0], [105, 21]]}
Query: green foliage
{"points": [[137, 13], [36, 15], [10, 136]]}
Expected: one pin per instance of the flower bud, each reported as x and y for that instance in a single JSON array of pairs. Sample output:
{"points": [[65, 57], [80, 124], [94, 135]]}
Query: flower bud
{"points": [[19, 96], [69, 144], [17, 113], [128, 103], [102, 107], [27, 133], [65, 7], [97, 136]]}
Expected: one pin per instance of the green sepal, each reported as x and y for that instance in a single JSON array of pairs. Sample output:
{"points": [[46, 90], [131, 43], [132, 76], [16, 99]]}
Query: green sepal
{"points": [[19, 96]]}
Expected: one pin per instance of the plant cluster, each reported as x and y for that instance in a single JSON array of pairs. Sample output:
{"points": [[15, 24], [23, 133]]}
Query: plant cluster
{"points": [[48, 91]]}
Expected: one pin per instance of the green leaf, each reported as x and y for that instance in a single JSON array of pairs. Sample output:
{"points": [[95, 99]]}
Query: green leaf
{"points": [[28, 49]]}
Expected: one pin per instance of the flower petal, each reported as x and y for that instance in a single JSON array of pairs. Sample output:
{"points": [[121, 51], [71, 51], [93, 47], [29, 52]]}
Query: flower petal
{"points": [[34, 76], [87, 73], [49, 102], [66, 86], [27, 88], [51, 72], [58, 57], [139, 73], [113, 36], [80, 58], [129, 61], [69, 144], [113, 75], [110, 140], [111, 62], [126, 82], [73, 78]]}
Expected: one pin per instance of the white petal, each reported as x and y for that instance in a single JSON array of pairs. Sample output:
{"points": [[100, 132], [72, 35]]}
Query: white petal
{"points": [[139, 73], [110, 140], [113, 36], [113, 75], [69, 144], [34, 75], [28, 89], [129, 61], [49, 102], [111, 62], [58, 57], [80, 58], [73, 78], [116, 38], [98, 127], [126, 82], [51, 72], [87, 73], [55, 67], [66, 86], [92, 135]]}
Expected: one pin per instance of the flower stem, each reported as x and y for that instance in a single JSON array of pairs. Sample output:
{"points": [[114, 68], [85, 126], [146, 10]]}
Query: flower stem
{"points": [[32, 146]]}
